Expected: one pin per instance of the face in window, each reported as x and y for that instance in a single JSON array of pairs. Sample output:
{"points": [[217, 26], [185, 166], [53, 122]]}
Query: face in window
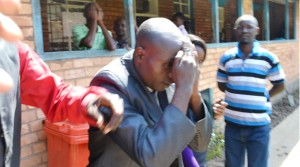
{"points": [[246, 31], [120, 27]]}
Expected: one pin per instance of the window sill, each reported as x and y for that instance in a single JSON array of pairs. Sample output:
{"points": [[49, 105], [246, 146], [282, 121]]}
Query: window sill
{"points": [[48, 56]]}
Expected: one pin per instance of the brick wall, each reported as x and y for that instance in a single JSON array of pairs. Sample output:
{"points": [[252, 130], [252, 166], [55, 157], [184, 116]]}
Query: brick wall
{"points": [[248, 7], [80, 71], [203, 20]]}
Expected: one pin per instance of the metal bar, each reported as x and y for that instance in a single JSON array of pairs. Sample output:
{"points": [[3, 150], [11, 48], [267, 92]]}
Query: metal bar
{"points": [[37, 23], [130, 21], [287, 21], [266, 20], [215, 17], [240, 7]]}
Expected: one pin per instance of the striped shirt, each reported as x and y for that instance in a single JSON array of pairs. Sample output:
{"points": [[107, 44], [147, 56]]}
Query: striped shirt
{"points": [[246, 85]]}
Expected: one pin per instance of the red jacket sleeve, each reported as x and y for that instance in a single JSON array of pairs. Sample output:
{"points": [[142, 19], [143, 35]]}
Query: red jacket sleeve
{"points": [[43, 89]]}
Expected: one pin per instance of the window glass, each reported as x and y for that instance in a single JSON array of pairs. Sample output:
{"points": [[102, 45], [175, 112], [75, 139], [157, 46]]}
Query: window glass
{"points": [[258, 10], [291, 20], [61, 19], [145, 9], [182, 6], [277, 20], [228, 13], [58, 17]]}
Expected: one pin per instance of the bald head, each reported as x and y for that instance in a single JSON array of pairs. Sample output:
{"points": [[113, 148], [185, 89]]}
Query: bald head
{"points": [[250, 18], [158, 31]]}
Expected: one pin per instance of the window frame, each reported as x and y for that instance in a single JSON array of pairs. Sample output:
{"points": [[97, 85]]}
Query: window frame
{"points": [[154, 14], [286, 15], [188, 4], [61, 55]]}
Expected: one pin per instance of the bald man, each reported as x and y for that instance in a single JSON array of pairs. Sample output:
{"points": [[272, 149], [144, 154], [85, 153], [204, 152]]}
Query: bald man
{"points": [[242, 75], [163, 110]]}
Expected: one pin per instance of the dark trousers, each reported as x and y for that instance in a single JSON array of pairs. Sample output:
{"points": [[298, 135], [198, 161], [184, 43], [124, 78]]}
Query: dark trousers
{"points": [[2, 150]]}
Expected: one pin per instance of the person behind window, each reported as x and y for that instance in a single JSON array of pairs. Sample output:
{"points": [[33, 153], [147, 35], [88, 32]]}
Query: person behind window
{"points": [[120, 30], [178, 19], [92, 35]]}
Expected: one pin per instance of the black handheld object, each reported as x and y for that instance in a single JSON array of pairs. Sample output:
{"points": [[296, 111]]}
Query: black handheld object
{"points": [[106, 112]]}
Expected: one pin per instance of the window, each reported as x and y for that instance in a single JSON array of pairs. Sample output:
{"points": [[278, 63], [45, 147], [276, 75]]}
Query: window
{"points": [[58, 19], [53, 21], [292, 13], [145, 9], [182, 6], [277, 19], [258, 10], [228, 13]]}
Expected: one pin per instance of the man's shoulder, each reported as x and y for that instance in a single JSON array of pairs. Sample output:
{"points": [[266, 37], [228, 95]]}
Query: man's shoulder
{"points": [[266, 53], [229, 54], [113, 73]]}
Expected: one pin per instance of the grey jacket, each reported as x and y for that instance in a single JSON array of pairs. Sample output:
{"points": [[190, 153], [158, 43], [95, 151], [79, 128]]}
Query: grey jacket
{"points": [[10, 106], [147, 136]]}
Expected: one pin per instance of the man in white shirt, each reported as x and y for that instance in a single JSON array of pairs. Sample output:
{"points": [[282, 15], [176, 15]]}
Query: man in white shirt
{"points": [[178, 19]]}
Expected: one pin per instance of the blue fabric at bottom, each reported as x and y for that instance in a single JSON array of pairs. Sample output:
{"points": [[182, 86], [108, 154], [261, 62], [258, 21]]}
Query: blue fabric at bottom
{"points": [[240, 139]]}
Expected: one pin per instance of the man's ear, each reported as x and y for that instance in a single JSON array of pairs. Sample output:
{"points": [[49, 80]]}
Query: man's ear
{"points": [[257, 30], [139, 53]]}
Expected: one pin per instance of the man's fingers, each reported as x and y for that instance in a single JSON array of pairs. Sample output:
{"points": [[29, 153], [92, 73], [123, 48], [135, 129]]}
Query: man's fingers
{"points": [[113, 123], [218, 100], [100, 121], [224, 104], [115, 103]]}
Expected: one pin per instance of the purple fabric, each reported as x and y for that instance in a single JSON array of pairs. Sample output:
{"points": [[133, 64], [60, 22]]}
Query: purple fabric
{"points": [[188, 158]]}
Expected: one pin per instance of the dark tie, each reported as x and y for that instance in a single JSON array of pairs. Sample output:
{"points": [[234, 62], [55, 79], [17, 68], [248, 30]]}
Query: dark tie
{"points": [[163, 99]]}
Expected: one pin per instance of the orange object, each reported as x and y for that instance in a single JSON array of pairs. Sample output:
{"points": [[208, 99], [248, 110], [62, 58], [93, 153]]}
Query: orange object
{"points": [[67, 144]]}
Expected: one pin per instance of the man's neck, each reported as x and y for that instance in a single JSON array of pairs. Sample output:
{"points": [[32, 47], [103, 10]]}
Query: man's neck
{"points": [[246, 49], [121, 38]]}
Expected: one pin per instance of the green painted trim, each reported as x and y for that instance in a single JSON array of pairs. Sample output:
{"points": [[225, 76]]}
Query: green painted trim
{"points": [[287, 21], [240, 7], [37, 24], [215, 16], [192, 19], [130, 20], [294, 20], [48, 56], [266, 20]]}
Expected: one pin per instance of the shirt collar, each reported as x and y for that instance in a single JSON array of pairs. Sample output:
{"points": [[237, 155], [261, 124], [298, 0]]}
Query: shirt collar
{"points": [[254, 49], [99, 29]]}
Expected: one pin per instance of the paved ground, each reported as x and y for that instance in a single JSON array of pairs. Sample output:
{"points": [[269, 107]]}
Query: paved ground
{"points": [[284, 135], [284, 138]]}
